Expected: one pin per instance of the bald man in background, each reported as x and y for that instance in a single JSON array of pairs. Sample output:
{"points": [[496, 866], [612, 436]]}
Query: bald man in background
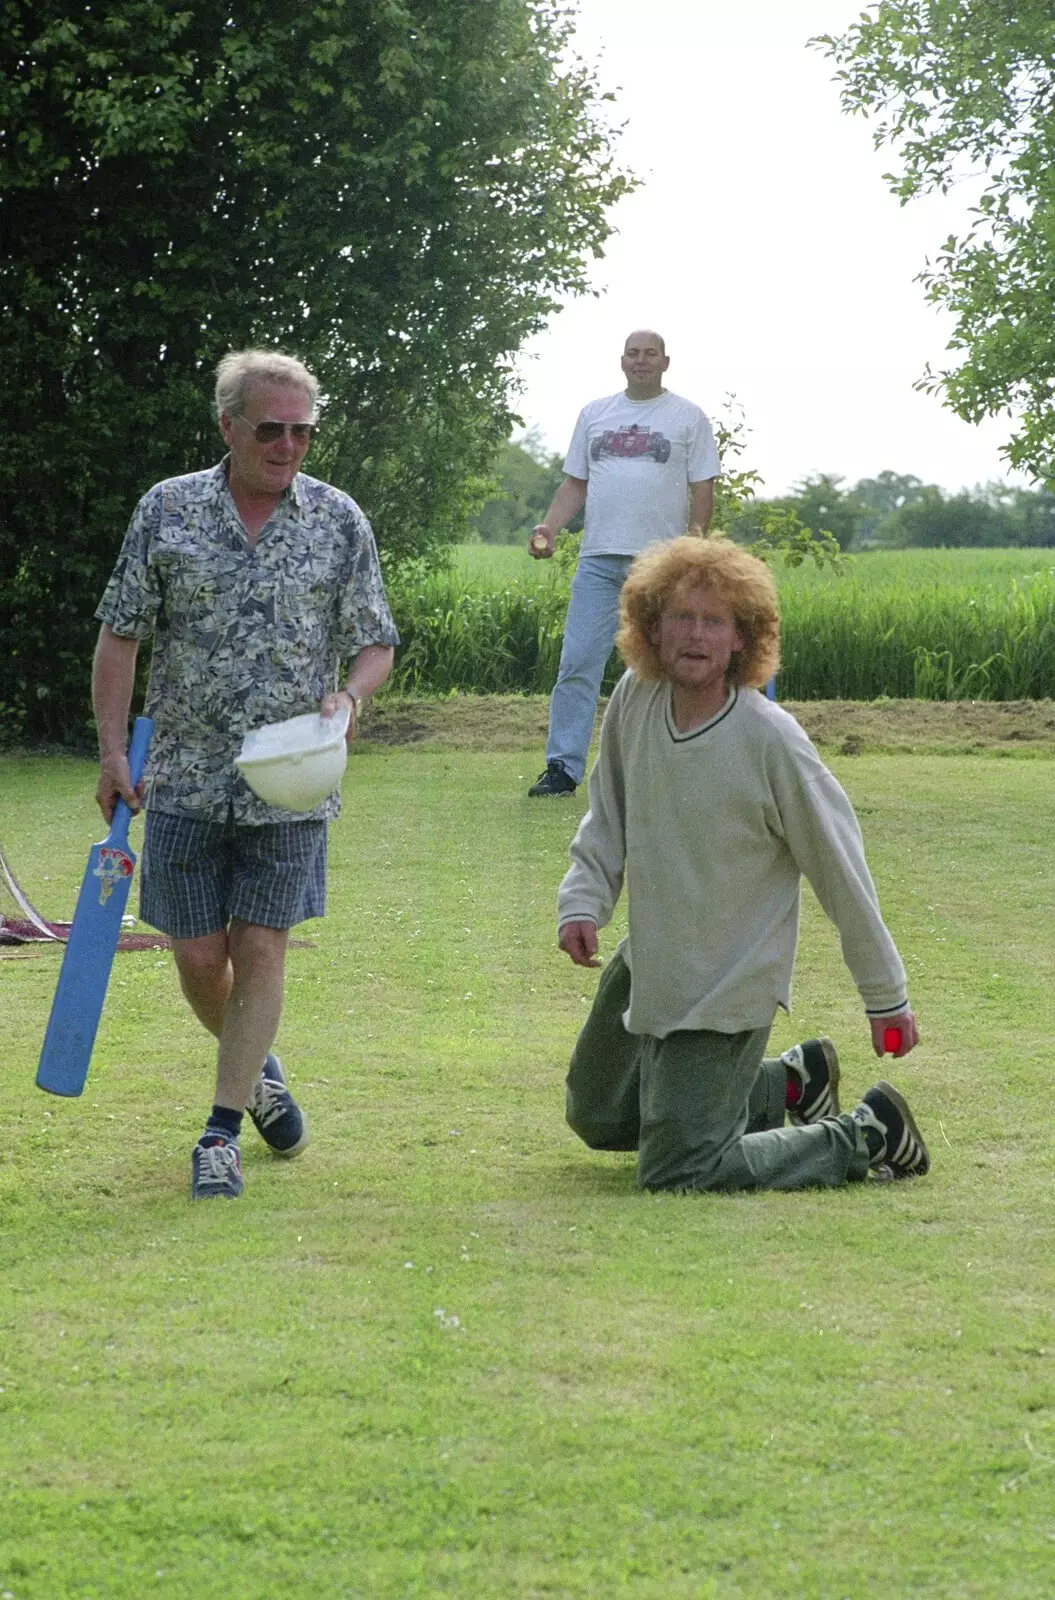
{"points": [[643, 462]]}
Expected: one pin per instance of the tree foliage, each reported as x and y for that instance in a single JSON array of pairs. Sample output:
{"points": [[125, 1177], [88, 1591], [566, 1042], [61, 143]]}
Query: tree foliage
{"points": [[780, 526], [770, 528], [879, 497], [900, 511], [525, 477], [937, 521], [399, 191], [992, 517], [967, 87]]}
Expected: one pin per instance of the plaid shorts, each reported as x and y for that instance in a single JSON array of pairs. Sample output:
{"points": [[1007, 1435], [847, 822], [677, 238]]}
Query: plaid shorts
{"points": [[197, 874]]}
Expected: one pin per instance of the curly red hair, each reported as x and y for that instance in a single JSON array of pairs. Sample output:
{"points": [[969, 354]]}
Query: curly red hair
{"points": [[744, 583]]}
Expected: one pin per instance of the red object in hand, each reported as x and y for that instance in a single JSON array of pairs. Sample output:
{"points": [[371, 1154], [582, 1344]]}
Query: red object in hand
{"points": [[891, 1040]]}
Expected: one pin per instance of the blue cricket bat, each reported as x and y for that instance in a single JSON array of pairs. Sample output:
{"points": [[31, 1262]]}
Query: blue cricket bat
{"points": [[96, 927]]}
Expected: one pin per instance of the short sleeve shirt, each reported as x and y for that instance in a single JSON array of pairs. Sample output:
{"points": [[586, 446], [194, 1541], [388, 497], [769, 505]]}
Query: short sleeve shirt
{"points": [[243, 635], [639, 458]]}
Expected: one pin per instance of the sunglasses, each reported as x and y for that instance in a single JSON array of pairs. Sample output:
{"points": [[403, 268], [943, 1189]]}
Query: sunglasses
{"points": [[271, 432]]}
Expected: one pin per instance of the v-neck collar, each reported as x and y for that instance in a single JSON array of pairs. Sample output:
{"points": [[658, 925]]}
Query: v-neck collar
{"points": [[705, 727]]}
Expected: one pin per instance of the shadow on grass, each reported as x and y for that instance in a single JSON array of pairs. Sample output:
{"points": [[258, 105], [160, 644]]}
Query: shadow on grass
{"points": [[597, 1175]]}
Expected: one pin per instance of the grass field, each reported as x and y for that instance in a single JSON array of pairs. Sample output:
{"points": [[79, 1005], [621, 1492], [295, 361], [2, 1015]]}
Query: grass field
{"points": [[450, 1351]]}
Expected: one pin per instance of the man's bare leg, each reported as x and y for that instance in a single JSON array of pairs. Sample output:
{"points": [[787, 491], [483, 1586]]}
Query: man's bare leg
{"points": [[206, 976], [254, 1009], [234, 984]]}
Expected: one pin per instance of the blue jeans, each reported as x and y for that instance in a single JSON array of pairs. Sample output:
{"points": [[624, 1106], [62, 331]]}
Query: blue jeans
{"points": [[589, 633]]}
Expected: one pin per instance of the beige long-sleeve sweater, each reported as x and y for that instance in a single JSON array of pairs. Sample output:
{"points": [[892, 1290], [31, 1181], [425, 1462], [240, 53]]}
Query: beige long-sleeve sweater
{"points": [[714, 830]]}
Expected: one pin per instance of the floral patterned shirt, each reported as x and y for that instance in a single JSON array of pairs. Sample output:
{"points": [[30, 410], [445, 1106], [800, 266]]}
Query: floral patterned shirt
{"points": [[242, 635]]}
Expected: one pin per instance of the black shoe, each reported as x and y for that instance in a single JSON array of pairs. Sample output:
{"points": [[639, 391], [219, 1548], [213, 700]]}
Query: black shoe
{"points": [[215, 1171], [277, 1117], [555, 780], [894, 1141], [813, 1069]]}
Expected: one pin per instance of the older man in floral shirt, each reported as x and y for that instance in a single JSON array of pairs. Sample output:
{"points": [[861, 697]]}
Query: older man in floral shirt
{"points": [[258, 585]]}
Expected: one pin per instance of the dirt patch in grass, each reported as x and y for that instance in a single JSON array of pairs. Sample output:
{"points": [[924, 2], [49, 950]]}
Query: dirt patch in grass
{"points": [[457, 722], [955, 727], [844, 727]]}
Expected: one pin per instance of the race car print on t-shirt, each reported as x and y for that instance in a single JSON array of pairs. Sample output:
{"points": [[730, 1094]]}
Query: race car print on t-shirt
{"points": [[631, 441]]}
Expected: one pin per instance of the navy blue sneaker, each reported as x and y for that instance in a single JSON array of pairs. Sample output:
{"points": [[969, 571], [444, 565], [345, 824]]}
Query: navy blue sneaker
{"points": [[813, 1081], [276, 1115], [895, 1144], [216, 1171]]}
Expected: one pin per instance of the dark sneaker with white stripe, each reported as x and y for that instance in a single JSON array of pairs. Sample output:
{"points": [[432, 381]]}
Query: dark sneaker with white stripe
{"points": [[215, 1169], [276, 1115], [813, 1081], [555, 780], [894, 1141]]}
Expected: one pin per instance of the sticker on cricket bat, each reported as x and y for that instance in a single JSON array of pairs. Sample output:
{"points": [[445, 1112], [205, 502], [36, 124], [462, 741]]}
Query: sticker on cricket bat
{"points": [[113, 866], [89, 955]]}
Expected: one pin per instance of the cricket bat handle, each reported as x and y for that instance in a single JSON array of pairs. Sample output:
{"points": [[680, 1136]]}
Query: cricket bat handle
{"points": [[137, 760]]}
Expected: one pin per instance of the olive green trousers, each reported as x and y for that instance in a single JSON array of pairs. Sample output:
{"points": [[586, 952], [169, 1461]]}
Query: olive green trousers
{"points": [[703, 1110]]}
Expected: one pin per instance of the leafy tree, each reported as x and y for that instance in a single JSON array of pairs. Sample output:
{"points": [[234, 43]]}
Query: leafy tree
{"points": [[526, 475], [817, 503], [1033, 517], [821, 502], [770, 528], [934, 521], [879, 497], [968, 86], [400, 191], [888, 491]]}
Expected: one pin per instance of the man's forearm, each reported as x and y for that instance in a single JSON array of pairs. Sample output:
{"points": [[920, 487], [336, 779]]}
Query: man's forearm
{"points": [[369, 670], [113, 680], [701, 504], [566, 504]]}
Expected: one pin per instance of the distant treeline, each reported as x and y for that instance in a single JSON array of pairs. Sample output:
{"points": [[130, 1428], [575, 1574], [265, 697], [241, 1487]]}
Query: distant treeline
{"points": [[900, 512], [894, 510]]}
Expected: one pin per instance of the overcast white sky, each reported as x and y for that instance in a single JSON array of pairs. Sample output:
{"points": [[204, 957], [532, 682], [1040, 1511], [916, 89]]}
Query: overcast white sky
{"points": [[765, 246]]}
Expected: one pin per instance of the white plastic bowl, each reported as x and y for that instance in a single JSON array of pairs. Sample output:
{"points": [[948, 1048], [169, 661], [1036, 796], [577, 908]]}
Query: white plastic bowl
{"points": [[297, 763]]}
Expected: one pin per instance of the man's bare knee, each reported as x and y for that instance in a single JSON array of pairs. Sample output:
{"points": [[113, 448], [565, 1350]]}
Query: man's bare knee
{"points": [[201, 960], [254, 948]]}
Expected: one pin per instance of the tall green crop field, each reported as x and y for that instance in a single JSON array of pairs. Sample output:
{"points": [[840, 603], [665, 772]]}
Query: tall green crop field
{"points": [[939, 625], [931, 625]]}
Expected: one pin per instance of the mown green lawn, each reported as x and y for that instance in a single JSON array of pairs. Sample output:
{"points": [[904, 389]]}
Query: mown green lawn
{"points": [[450, 1351]]}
